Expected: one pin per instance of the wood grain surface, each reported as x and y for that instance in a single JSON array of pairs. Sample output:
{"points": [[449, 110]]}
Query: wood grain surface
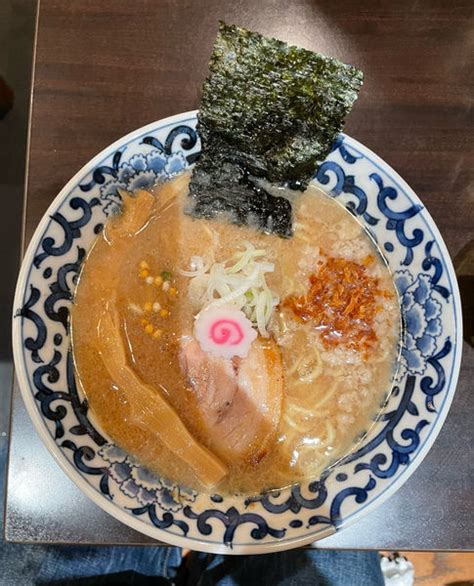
{"points": [[442, 568], [105, 68]]}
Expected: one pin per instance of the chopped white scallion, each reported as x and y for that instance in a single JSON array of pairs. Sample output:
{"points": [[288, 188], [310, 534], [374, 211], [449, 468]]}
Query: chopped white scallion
{"points": [[240, 282]]}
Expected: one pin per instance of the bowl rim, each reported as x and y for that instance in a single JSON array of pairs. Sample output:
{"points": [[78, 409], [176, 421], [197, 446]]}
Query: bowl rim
{"points": [[167, 537]]}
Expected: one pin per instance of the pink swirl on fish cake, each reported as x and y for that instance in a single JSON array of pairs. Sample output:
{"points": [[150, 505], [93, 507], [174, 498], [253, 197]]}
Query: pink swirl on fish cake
{"points": [[225, 331]]}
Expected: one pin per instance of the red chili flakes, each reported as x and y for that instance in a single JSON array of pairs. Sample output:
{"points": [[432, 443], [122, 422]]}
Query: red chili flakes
{"points": [[342, 301]]}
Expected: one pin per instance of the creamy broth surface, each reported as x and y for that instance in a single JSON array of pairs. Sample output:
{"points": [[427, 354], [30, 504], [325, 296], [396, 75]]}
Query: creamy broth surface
{"points": [[331, 393]]}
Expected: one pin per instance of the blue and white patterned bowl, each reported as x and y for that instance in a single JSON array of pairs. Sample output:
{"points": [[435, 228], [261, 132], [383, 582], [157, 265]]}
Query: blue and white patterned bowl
{"points": [[396, 445]]}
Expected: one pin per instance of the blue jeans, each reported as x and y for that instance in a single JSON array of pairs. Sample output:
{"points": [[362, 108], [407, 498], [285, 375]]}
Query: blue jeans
{"points": [[80, 566]]}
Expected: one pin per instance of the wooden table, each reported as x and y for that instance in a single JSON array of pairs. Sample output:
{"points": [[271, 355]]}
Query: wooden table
{"points": [[105, 68]]}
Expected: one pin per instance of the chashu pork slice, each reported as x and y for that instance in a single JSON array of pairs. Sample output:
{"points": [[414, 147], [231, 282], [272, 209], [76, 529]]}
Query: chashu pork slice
{"points": [[238, 401]]}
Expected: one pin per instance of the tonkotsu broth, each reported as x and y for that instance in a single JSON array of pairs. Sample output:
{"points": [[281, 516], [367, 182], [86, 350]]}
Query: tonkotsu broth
{"points": [[331, 394]]}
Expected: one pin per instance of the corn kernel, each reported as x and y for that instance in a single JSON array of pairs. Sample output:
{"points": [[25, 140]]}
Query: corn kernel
{"points": [[144, 322], [148, 306], [149, 329], [157, 333], [143, 265], [144, 273], [173, 291], [158, 280], [164, 313]]}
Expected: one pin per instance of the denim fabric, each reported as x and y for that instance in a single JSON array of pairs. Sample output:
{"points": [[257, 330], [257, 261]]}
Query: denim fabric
{"points": [[35, 565], [110, 565], [299, 567], [27, 565], [19, 564]]}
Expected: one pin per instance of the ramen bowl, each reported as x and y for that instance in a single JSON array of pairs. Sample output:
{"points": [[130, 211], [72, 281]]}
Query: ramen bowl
{"points": [[395, 445]]}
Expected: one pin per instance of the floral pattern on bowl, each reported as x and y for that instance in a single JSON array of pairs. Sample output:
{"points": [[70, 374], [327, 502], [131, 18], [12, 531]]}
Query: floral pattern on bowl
{"points": [[423, 325]]}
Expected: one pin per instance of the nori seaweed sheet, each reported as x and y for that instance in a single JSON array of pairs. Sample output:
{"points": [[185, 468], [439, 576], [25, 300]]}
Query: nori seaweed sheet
{"points": [[271, 111]]}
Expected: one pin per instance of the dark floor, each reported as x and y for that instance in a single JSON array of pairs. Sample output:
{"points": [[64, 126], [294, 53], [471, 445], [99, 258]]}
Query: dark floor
{"points": [[17, 21]]}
